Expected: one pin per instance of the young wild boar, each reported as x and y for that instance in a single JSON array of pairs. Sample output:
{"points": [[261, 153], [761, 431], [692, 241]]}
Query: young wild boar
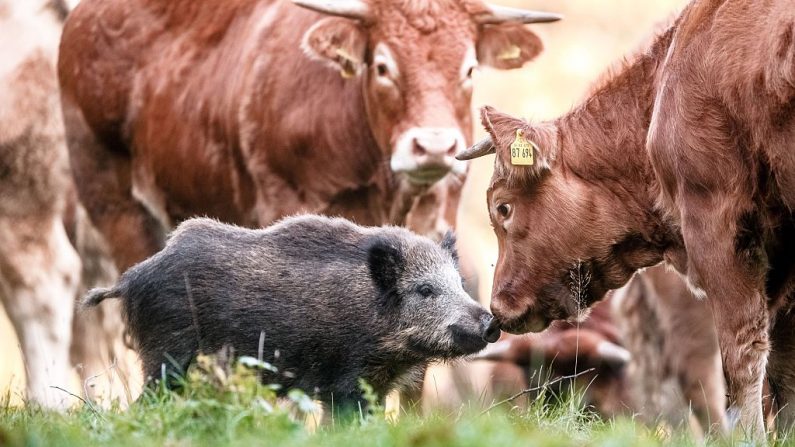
{"points": [[334, 302]]}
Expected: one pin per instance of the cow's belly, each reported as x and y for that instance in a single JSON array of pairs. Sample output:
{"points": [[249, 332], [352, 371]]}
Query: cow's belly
{"points": [[361, 206], [174, 189]]}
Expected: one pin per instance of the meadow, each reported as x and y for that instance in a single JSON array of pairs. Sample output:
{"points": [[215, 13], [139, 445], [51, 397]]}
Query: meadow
{"points": [[218, 407]]}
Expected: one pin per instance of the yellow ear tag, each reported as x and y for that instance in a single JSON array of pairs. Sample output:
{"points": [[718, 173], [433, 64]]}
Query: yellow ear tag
{"points": [[522, 150], [347, 63], [510, 53]]}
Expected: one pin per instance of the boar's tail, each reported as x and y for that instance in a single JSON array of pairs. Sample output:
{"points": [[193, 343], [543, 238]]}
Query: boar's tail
{"points": [[98, 295]]}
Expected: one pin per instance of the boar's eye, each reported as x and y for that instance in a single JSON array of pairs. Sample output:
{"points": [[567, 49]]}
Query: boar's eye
{"points": [[504, 210], [425, 290]]}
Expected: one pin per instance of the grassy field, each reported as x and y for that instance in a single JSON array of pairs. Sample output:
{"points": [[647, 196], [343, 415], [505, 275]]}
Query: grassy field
{"points": [[215, 410], [218, 408]]}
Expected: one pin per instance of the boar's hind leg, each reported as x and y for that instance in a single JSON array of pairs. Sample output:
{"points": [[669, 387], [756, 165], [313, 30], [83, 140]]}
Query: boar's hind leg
{"points": [[781, 370], [103, 176]]}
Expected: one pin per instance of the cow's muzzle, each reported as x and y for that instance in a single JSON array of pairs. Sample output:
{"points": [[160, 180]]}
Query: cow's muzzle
{"points": [[515, 318], [425, 155]]}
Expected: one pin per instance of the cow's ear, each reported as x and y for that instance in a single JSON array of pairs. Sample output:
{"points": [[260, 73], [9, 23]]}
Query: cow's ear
{"points": [[523, 150], [508, 45], [385, 262], [512, 348], [613, 355], [337, 42]]}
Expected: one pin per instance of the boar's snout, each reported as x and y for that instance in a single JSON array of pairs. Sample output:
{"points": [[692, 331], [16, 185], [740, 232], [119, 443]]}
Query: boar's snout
{"points": [[473, 332], [491, 331]]}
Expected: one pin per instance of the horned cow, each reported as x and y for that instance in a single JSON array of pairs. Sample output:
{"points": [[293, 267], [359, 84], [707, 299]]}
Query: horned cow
{"points": [[252, 110], [587, 356], [673, 158]]}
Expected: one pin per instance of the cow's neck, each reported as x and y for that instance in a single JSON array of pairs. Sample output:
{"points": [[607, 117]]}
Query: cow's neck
{"points": [[307, 138], [308, 133], [603, 141]]}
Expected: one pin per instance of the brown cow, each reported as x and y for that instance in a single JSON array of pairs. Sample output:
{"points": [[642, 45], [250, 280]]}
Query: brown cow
{"points": [[517, 362], [252, 110], [710, 190]]}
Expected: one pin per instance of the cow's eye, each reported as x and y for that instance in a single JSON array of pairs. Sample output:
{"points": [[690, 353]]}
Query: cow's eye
{"points": [[425, 290], [504, 210], [470, 72], [382, 70]]}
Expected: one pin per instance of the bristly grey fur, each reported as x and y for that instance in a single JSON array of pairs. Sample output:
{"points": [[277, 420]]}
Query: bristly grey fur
{"points": [[339, 302]]}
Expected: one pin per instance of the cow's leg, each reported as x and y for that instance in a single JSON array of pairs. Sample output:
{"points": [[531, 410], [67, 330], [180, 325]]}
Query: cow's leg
{"points": [[781, 370], [39, 272], [103, 176], [727, 263]]}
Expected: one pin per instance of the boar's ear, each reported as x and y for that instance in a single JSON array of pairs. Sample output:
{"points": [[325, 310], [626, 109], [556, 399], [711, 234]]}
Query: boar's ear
{"points": [[385, 262], [339, 43], [449, 244], [508, 45]]}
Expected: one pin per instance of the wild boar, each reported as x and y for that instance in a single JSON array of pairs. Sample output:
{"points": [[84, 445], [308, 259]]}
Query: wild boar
{"points": [[325, 301]]}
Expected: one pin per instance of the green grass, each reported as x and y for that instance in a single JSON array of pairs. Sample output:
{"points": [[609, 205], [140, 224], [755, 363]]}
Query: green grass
{"points": [[218, 408]]}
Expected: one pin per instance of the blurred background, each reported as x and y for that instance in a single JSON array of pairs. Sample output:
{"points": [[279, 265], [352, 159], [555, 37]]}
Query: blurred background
{"points": [[592, 37]]}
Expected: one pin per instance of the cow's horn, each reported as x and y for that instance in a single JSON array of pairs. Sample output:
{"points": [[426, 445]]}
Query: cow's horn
{"points": [[352, 9], [501, 14], [480, 149]]}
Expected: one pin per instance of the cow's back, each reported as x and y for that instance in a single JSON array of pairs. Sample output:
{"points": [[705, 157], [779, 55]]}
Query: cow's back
{"points": [[216, 94], [100, 46], [734, 74]]}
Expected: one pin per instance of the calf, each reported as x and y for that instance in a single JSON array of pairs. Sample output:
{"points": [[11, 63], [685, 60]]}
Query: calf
{"points": [[325, 301], [684, 155]]}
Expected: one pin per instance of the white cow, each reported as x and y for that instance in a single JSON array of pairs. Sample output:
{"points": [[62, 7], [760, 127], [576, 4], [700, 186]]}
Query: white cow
{"points": [[42, 227]]}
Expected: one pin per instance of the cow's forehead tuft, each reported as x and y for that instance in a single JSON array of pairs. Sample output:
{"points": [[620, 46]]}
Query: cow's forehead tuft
{"points": [[428, 15]]}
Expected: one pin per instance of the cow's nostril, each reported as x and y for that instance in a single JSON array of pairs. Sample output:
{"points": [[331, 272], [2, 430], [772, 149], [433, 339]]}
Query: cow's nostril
{"points": [[451, 149], [418, 149]]}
